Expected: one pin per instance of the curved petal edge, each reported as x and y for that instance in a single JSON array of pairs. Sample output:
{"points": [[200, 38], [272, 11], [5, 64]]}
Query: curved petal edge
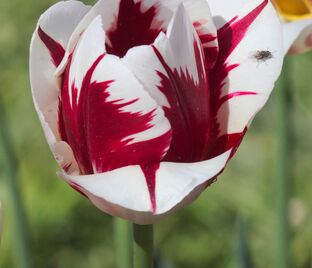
{"points": [[124, 193]]}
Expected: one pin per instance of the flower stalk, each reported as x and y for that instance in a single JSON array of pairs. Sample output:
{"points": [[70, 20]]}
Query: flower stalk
{"points": [[284, 167], [123, 242], [10, 168], [143, 246]]}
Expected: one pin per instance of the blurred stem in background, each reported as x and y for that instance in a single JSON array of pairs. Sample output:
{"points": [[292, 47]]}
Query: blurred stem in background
{"points": [[124, 244], [10, 171], [143, 248], [284, 164], [243, 254]]}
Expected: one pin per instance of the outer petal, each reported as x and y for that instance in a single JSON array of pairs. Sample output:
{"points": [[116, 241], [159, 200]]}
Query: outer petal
{"points": [[123, 192], [54, 28], [297, 36], [47, 49], [249, 62]]}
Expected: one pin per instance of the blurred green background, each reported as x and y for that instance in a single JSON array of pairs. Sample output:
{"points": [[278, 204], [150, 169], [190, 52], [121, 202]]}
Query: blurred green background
{"points": [[66, 231]]}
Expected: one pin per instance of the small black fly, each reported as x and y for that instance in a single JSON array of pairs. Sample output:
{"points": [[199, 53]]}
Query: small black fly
{"points": [[262, 55]]}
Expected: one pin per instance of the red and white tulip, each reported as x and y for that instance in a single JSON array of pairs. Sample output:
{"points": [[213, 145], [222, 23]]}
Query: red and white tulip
{"points": [[143, 102]]}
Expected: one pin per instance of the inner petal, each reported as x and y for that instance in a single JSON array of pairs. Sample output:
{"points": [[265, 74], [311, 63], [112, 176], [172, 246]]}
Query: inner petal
{"points": [[133, 26], [173, 71]]}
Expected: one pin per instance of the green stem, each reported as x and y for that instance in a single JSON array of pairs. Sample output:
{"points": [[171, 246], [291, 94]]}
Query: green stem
{"points": [[284, 167], [244, 257], [123, 240], [143, 246], [10, 166]]}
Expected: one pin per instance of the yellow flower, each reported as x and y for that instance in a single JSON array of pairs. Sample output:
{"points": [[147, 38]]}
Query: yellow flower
{"points": [[297, 18], [293, 10]]}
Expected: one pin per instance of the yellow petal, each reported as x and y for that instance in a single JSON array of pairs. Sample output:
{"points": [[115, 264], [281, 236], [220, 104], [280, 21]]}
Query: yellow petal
{"points": [[293, 10]]}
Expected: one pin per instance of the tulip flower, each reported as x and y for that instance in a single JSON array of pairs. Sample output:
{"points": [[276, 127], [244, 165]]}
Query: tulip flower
{"points": [[144, 102], [297, 17]]}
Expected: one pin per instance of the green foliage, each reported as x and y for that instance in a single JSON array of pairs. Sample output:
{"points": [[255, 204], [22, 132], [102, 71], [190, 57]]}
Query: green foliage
{"points": [[67, 231]]}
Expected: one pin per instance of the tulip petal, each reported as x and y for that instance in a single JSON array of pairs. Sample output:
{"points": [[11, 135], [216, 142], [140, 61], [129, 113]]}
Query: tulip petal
{"points": [[124, 193], [47, 48], [297, 36], [109, 119], [173, 72], [200, 16], [107, 9], [248, 64], [127, 23], [72, 84], [185, 85], [130, 23], [54, 29], [135, 25]]}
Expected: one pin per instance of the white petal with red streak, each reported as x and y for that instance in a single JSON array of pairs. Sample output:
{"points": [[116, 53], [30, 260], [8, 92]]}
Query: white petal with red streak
{"points": [[295, 36], [64, 156], [123, 192], [59, 21], [107, 9], [90, 46], [143, 62], [200, 15], [198, 11], [252, 75], [178, 50], [126, 88], [225, 10], [178, 54]]}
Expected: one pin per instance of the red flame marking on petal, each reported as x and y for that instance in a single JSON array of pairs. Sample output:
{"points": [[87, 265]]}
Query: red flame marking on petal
{"points": [[56, 50], [228, 141], [72, 120], [61, 126], [210, 52], [133, 27], [108, 127], [67, 166], [77, 187], [235, 94], [150, 175], [189, 110]]}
